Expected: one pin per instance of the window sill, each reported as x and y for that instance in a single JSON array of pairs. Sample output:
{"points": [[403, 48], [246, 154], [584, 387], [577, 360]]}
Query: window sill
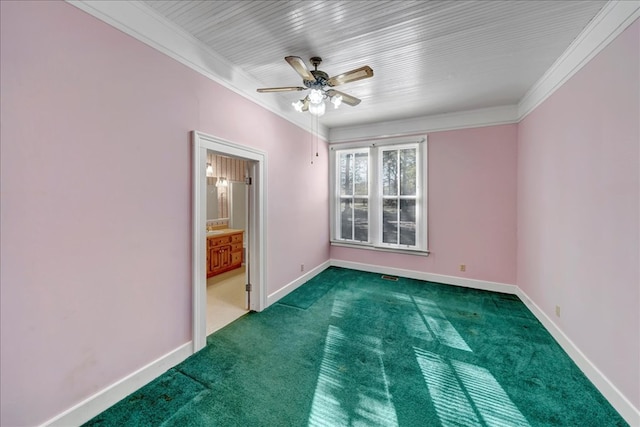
{"points": [[417, 252]]}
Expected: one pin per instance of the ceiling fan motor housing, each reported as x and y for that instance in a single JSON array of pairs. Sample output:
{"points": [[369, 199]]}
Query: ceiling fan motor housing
{"points": [[320, 76], [321, 80]]}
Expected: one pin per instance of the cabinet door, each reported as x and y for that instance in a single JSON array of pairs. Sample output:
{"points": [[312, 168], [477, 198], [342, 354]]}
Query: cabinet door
{"points": [[236, 258], [215, 259], [212, 260], [225, 256]]}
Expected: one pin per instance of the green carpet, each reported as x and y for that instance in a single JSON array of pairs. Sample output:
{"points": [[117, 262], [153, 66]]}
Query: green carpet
{"points": [[364, 351], [305, 296]]}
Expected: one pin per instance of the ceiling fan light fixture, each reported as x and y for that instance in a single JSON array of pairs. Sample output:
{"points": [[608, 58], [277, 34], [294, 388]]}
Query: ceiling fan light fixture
{"points": [[316, 96], [298, 105], [317, 109], [317, 81]]}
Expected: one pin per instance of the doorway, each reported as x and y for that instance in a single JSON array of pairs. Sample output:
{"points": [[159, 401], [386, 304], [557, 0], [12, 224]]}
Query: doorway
{"points": [[227, 262], [255, 205]]}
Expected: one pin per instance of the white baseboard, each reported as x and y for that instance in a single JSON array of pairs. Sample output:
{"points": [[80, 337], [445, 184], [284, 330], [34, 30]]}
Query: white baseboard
{"points": [[92, 406], [429, 277], [624, 407], [292, 286]]}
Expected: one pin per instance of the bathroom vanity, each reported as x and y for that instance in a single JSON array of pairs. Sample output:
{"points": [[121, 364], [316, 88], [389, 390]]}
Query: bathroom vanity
{"points": [[224, 250]]}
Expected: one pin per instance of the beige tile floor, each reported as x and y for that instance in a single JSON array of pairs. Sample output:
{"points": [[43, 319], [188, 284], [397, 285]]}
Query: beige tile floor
{"points": [[226, 299]]}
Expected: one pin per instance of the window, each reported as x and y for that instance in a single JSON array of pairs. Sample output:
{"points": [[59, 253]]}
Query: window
{"points": [[379, 195]]}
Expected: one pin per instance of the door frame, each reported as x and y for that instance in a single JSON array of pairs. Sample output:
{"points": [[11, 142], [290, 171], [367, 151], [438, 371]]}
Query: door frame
{"points": [[202, 142]]}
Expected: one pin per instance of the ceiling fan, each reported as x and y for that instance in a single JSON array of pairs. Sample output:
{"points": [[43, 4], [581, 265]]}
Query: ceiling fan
{"points": [[320, 85]]}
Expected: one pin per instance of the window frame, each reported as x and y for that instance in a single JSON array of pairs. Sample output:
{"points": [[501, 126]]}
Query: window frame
{"points": [[375, 197]]}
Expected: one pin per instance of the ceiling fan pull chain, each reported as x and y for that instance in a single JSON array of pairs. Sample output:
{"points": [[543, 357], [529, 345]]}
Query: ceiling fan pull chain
{"points": [[313, 122]]}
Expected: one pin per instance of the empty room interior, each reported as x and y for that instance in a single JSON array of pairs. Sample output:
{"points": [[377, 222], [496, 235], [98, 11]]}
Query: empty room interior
{"points": [[388, 213]]}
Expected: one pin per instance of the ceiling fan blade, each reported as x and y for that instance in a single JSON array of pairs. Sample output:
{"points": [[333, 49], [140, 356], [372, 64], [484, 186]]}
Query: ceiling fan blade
{"points": [[281, 89], [351, 76], [300, 67], [346, 98]]}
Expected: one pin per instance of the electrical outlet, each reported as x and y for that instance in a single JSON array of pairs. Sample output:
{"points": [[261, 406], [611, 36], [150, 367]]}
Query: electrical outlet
{"points": [[301, 267], [463, 267], [557, 311]]}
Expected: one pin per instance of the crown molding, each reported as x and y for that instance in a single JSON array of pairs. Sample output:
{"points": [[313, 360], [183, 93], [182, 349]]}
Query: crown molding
{"points": [[612, 20], [144, 24], [506, 114]]}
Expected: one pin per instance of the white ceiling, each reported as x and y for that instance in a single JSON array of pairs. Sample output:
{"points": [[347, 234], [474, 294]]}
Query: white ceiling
{"points": [[428, 57]]}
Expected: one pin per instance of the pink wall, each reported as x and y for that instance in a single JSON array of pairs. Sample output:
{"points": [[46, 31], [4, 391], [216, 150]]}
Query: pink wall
{"points": [[472, 208], [578, 210], [96, 217]]}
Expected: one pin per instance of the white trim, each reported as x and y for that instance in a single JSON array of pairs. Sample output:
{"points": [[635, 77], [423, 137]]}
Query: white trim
{"points": [[507, 114], [295, 284], [429, 277], [624, 407], [369, 247], [198, 242], [102, 400], [612, 19], [201, 143], [146, 25]]}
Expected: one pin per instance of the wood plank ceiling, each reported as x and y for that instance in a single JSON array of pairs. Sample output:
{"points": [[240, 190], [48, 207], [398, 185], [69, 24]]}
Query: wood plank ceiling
{"points": [[428, 57]]}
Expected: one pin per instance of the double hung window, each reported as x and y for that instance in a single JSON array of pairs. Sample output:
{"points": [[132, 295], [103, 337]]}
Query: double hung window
{"points": [[379, 195]]}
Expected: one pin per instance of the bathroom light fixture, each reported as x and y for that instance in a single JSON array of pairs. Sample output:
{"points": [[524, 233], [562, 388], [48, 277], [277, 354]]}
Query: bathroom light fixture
{"points": [[222, 182], [209, 170]]}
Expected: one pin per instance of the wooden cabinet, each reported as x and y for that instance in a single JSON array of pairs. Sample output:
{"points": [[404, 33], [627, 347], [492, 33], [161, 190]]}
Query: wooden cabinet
{"points": [[224, 252]]}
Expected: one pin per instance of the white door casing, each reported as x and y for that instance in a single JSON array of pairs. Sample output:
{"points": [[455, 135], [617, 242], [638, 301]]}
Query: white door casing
{"points": [[202, 142]]}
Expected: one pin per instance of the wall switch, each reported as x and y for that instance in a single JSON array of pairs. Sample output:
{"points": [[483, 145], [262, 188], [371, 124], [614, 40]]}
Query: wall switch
{"points": [[463, 267], [557, 311], [301, 267]]}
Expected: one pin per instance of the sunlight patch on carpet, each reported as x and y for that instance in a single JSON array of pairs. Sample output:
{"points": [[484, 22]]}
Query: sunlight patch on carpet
{"points": [[416, 327], [340, 401], [444, 331], [464, 394], [489, 397], [340, 306], [451, 403]]}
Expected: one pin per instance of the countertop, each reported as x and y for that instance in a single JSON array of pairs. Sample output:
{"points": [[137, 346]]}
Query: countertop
{"points": [[223, 232]]}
